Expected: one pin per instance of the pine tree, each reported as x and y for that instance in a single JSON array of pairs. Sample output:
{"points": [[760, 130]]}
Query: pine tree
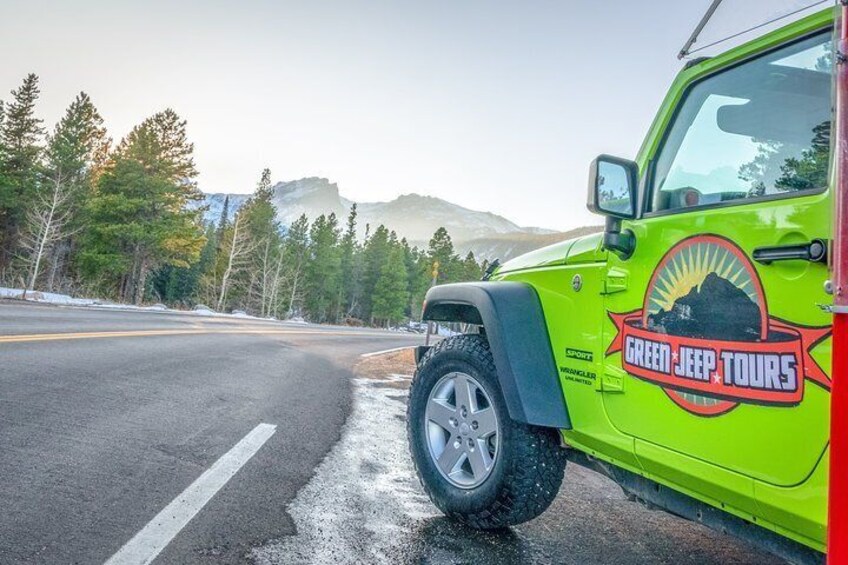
{"points": [[182, 286], [295, 258], [323, 271], [224, 220], [21, 139], [374, 256], [203, 291], [141, 218], [418, 278], [812, 168], [236, 255], [259, 210], [391, 294], [161, 143], [471, 270], [263, 189], [74, 157], [443, 261], [351, 267], [263, 230]]}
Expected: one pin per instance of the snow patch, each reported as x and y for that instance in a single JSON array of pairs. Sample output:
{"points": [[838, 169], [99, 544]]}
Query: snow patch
{"points": [[364, 496], [45, 297], [397, 378], [203, 310], [65, 300]]}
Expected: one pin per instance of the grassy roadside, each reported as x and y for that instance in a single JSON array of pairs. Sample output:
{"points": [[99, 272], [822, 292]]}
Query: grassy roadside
{"points": [[393, 369]]}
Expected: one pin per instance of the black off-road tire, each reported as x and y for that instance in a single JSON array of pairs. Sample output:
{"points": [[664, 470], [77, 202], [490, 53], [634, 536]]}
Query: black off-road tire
{"points": [[528, 469]]}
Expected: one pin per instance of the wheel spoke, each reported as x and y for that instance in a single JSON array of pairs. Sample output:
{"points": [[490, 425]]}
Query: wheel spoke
{"points": [[462, 430], [487, 424], [462, 387], [479, 459], [450, 457], [439, 412]]}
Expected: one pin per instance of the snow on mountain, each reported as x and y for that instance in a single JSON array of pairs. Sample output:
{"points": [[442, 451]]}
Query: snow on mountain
{"points": [[412, 216], [416, 217], [311, 196], [215, 205]]}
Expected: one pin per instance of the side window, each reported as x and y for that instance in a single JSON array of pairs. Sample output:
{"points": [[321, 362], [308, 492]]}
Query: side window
{"points": [[761, 128]]}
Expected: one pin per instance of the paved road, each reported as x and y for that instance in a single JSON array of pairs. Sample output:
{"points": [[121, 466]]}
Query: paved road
{"points": [[105, 424], [113, 425]]}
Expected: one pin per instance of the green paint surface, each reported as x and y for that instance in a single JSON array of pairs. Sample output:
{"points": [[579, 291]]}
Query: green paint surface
{"points": [[763, 461]]}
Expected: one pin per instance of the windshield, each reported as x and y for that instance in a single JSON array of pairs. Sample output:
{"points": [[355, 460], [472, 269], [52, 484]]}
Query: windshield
{"points": [[760, 128]]}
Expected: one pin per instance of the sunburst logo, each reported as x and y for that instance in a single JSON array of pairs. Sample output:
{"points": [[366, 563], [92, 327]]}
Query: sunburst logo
{"points": [[705, 336], [689, 268]]}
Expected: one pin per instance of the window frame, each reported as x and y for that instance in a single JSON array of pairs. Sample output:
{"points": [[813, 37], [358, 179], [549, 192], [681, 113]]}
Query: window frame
{"points": [[650, 176]]}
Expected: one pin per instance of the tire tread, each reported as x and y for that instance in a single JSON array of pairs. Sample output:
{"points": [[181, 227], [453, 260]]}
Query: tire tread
{"points": [[527, 490]]}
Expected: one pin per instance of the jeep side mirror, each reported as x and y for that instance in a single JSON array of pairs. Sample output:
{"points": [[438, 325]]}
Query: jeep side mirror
{"points": [[612, 187]]}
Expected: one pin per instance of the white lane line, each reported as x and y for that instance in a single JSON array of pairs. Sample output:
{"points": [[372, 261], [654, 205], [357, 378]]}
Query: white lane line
{"points": [[375, 353], [158, 533]]}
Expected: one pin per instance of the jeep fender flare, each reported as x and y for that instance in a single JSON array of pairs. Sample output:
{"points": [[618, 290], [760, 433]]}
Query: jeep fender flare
{"points": [[514, 323]]}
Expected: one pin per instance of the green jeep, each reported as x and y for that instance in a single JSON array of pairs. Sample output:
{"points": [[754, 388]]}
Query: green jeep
{"points": [[683, 352]]}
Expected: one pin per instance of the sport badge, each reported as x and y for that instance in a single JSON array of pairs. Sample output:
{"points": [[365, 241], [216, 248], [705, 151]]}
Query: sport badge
{"points": [[705, 336]]}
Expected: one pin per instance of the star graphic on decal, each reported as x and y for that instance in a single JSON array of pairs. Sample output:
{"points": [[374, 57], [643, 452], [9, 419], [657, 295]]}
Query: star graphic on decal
{"points": [[674, 355], [717, 379]]}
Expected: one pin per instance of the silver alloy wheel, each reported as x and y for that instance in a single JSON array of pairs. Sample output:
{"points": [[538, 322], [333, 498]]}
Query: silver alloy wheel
{"points": [[462, 430]]}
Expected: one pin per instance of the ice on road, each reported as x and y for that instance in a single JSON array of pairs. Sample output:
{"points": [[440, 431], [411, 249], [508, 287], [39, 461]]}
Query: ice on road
{"points": [[364, 497], [365, 505]]}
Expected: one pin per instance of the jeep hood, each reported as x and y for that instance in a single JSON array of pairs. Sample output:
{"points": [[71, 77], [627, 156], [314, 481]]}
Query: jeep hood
{"points": [[585, 249]]}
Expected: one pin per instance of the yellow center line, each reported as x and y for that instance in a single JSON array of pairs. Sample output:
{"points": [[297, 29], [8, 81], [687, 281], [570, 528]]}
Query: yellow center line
{"points": [[149, 333]]}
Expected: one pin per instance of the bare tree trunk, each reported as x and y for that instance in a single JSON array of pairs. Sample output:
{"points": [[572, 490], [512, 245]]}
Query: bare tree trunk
{"points": [[238, 248], [56, 264], [128, 295], [251, 291], [44, 227], [122, 286], [141, 281], [129, 288], [275, 289], [226, 277], [294, 291], [267, 277], [44, 235]]}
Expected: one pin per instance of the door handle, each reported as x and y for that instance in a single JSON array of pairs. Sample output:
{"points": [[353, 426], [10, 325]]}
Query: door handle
{"points": [[815, 252]]}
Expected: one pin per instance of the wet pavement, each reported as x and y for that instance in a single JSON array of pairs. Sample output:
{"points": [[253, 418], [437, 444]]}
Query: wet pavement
{"points": [[365, 505]]}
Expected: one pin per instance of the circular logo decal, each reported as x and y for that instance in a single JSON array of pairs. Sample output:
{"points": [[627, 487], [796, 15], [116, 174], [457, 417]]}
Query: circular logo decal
{"points": [[705, 336]]}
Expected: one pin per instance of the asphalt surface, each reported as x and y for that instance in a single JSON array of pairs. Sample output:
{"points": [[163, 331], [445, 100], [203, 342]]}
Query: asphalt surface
{"points": [[108, 417], [365, 505], [99, 434]]}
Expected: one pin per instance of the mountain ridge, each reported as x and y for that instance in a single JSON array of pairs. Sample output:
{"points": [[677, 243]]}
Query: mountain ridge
{"points": [[411, 215]]}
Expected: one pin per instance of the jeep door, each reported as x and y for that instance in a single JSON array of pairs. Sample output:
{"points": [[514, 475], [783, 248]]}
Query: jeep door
{"points": [[718, 339]]}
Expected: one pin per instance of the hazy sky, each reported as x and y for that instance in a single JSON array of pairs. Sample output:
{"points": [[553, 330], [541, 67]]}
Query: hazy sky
{"points": [[493, 105]]}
